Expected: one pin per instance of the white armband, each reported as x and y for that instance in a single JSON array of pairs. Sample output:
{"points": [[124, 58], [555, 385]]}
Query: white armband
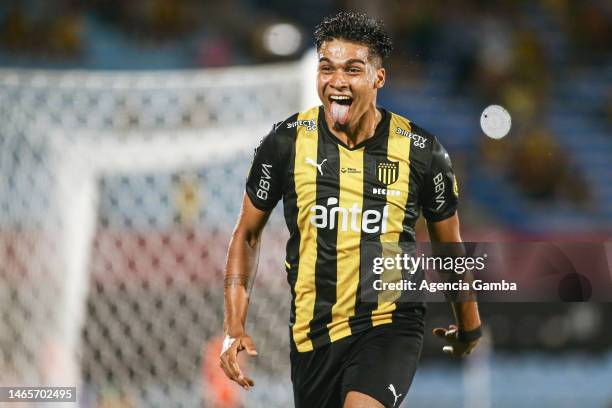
{"points": [[227, 343]]}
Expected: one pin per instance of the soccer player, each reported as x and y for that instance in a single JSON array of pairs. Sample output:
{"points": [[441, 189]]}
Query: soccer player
{"points": [[351, 174]]}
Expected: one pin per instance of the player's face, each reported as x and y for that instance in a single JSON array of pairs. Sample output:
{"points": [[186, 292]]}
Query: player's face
{"points": [[347, 81]]}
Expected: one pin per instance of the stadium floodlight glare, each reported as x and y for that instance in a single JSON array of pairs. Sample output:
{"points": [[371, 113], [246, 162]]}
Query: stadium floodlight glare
{"points": [[282, 39], [495, 121]]}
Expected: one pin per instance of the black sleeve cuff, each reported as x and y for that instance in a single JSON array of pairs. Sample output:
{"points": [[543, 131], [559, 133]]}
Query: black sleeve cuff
{"points": [[257, 203]]}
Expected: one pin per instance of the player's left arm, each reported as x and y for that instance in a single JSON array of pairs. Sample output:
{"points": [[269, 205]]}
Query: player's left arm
{"points": [[463, 336], [439, 201]]}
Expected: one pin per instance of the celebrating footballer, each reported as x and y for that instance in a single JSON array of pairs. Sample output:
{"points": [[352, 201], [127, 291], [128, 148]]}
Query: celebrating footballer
{"points": [[351, 174]]}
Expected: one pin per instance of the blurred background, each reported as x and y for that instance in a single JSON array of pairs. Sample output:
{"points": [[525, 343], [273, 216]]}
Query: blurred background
{"points": [[127, 129]]}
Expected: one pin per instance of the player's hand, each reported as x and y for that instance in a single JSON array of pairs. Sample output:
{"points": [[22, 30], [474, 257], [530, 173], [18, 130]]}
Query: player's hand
{"points": [[229, 359], [454, 347]]}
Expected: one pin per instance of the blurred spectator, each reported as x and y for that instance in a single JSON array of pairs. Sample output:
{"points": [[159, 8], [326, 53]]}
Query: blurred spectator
{"points": [[588, 27], [511, 68], [215, 52], [151, 19], [57, 33], [530, 67], [544, 172], [416, 30]]}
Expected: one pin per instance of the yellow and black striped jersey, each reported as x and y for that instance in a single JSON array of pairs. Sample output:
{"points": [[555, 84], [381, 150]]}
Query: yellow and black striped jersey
{"points": [[338, 199]]}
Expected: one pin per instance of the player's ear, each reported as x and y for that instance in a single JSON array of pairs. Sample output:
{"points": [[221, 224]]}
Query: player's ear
{"points": [[380, 78]]}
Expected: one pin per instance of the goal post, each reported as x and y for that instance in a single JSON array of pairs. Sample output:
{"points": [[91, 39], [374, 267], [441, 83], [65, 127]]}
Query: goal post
{"points": [[118, 194]]}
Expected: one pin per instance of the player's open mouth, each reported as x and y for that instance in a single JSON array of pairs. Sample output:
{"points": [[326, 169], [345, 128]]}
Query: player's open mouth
{"points": [[339, 108]]}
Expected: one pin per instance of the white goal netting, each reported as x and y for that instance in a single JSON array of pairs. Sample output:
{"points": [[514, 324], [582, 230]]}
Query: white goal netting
{"points": [[118, 194]]}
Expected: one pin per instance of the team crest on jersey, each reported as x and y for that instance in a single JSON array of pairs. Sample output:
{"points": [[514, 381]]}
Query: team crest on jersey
{"points": [[387, 171]]}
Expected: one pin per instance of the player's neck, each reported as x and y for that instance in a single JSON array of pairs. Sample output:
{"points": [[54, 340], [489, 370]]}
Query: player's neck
{"points": [[361, 131]]}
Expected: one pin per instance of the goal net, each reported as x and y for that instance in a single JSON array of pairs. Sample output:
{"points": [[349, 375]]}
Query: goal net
{"points": [[118, 195]]}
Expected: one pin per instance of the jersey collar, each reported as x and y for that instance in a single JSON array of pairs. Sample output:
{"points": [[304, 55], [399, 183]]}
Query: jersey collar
{"points": [[382, 129]]}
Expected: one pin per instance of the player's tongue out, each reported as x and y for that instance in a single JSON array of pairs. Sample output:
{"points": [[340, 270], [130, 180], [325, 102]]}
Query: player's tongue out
{"points": [[339, 113]]}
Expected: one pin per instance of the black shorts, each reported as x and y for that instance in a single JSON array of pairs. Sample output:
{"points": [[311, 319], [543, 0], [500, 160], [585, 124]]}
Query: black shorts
{"points": [[380, 362]]}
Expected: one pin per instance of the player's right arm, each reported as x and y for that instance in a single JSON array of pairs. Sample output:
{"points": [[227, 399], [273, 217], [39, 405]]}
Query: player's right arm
{"points": [[264, 187], [241, 265]]}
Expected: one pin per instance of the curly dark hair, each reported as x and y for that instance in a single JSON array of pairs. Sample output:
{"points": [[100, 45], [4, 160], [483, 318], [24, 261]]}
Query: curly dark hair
{"points": [[355, 27]]}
